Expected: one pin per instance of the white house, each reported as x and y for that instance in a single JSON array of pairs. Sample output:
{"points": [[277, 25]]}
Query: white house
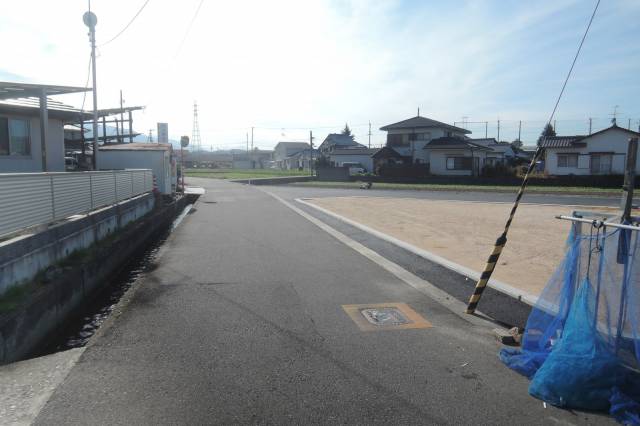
{"points": [[283, 150], [335, 141], [362, 156], [301, 159], [601, 153], [155, 156], [22, 108], [409, 137], [457, 156]]}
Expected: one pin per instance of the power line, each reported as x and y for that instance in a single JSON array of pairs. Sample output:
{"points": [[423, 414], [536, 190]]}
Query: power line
{"points": [[127, 26], [566, 80], [195, 15]]}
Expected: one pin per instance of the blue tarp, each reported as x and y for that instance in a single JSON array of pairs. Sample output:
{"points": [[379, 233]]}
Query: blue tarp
{"points": [[581, 346]]}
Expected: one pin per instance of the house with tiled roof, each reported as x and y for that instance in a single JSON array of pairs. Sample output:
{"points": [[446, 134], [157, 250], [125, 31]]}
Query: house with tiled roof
{"points": [[600, 153]]}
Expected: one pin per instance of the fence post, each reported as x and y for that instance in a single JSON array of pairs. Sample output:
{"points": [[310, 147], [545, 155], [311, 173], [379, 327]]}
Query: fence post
{"points": [[53, 199], [131, 174], [91, 189], [115, 187]]}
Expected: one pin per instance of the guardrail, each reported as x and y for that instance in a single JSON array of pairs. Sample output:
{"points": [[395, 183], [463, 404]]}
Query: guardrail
{"points": [[29, 199]]}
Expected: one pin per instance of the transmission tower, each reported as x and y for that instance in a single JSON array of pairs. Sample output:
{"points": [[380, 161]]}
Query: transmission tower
{"points": [[195, 134]]}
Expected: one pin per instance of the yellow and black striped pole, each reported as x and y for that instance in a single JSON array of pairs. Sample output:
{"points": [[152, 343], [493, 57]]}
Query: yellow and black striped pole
{"points": [[501, 241]]}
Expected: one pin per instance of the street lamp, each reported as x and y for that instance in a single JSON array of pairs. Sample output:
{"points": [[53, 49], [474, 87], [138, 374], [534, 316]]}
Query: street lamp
{"points": [[90, 20]]}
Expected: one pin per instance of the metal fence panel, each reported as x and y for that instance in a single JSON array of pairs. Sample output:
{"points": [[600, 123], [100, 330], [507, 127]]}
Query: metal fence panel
{"points": [[71, 195], [24, 202], [123, 186], [103, 187], [29, 199]]}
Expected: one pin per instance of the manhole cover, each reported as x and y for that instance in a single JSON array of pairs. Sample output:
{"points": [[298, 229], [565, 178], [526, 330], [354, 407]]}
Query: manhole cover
{"points": [[385, 316]]}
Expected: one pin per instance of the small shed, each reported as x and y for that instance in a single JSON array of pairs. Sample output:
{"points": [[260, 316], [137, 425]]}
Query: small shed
{"points": [[158, 157]]}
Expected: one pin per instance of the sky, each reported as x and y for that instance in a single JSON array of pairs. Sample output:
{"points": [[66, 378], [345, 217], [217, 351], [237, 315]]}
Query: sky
{"points": [[286, 68]]}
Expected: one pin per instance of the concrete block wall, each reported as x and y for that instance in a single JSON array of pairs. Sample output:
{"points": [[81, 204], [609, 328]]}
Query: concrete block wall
{"points": [[22, 257]]}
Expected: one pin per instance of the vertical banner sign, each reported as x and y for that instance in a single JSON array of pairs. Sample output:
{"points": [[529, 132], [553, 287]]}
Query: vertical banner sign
{"points": [[163, 133]]}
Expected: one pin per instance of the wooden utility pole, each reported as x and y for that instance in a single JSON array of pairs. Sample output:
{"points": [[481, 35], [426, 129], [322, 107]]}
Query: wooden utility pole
{"points": [[629, 179], [130, 127], [498, 130], [311, 152], [590, 121]]}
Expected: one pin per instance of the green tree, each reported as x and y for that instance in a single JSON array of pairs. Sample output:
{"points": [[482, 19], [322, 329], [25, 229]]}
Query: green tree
{"points": [[347, 131], [548, 130]]}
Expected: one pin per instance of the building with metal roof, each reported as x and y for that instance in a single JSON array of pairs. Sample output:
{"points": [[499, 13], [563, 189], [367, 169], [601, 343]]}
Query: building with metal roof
{"points": [[26, 144], [600, 153]]}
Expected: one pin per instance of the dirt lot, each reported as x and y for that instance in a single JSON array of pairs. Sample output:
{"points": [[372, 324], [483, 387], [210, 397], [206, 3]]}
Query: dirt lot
{"points": [[464, 232]]}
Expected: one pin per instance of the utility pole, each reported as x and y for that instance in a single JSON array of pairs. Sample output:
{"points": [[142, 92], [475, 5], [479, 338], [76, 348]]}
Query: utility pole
{"points": [[150, 135], [519, 129], [590, 121], [311, 150], [90, 20], [369, 134], [629, 179], [629, 125], [121, 117], [498, 130], [251, 155], [247, 142], [554, 127], [486, 129]]}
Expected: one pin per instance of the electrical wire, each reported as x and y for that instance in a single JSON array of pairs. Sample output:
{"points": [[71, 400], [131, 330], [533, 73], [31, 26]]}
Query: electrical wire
{"points": [[195, 15], [126, 26], [566, 80]]}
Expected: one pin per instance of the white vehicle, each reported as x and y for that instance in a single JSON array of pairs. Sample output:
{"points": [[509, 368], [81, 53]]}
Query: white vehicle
{"points": [[355, 168]]}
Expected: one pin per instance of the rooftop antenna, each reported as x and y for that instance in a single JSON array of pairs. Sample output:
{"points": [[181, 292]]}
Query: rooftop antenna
{"points": [[615, 115]]}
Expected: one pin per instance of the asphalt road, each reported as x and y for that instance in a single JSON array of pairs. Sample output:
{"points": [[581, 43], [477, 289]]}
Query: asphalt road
{"points": [[291, 192], [242, 323]]}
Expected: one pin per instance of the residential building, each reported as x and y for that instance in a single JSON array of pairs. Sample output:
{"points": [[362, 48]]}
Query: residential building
{"points": [[601, 153], [25, 145], [335, 141], [353, 155], [158, 157], [301, 159], [284, 150], [501, 152], [409, 137], [457, 156]]}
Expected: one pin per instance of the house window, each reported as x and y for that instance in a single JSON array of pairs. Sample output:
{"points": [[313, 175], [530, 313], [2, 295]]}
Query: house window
{"points": [[567, 160], [424, 136], [601, 164], [14, 137], [396, 141], [459, 163]]}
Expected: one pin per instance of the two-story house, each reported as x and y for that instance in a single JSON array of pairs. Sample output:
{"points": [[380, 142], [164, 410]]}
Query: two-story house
{"points": [[409, 137], [284, 150], [335, 141]]}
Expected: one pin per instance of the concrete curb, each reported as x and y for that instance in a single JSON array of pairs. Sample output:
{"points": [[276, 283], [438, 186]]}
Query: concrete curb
{"points": [[497, 285]]}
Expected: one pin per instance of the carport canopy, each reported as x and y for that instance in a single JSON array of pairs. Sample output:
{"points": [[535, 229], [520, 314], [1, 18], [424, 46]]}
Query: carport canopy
{"points": [[9, 90]]}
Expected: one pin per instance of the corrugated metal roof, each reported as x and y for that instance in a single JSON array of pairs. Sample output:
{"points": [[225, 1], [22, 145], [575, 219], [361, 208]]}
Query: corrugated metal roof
{"points": [[137, 146], [55, 108], [11, 90]]}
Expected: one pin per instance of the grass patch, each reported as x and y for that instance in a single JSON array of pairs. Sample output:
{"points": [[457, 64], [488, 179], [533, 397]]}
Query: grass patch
{"points": [[12, 298], [243, 174], [458, 187]]}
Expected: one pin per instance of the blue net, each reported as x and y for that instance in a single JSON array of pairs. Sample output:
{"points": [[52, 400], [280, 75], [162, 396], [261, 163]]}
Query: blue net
{"points": [[581, 346]]}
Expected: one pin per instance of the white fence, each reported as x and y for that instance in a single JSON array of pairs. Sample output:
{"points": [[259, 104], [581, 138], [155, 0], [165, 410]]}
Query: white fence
{"points": [[28, 199]]}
